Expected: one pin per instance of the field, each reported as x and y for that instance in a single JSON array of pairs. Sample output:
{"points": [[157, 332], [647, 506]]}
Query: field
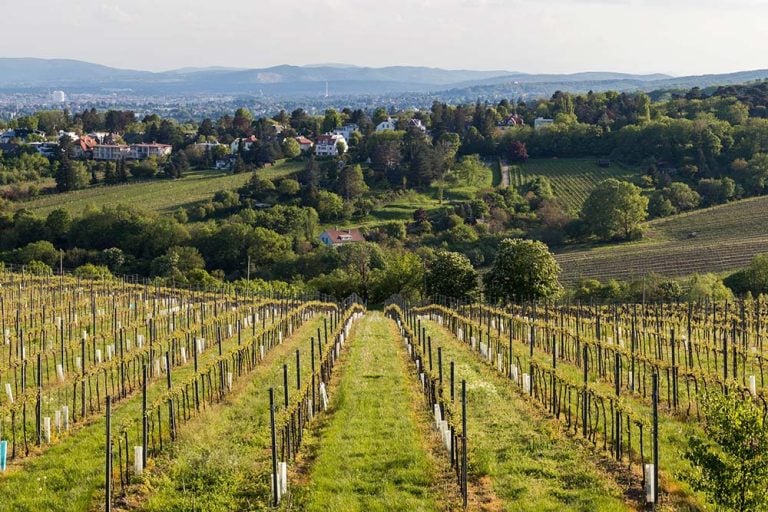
{"points": [[253, 403], [161, 195], [572, 178], [718, 239]]}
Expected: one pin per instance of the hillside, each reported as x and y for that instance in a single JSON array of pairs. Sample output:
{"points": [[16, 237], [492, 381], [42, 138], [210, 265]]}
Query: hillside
{"points": [[572, 178], [716, 239], [161, 195]]}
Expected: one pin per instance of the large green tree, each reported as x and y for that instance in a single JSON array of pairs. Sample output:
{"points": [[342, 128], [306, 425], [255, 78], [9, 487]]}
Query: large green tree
{"points": [[523, 270], [450, 274], [614, 209], [352, 183]]}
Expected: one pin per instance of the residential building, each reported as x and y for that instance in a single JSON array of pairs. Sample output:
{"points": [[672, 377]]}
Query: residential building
{"points": [[58, 97], [19, 133], [304, 143], [83, 147], [416, 123], [328, 145], [512, 120], [47, 149], [144, 151], [337, 237], [111, 152], [347, 130], [389, 124], [540, 123], [245, 142]]}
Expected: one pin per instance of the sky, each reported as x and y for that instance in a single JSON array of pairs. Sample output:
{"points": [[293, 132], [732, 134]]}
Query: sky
{"points": [[677, 37]]}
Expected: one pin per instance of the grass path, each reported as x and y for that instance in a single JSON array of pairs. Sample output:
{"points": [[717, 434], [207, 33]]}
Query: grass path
{"points": [[222, 459], [372, 453], [531, 463]]}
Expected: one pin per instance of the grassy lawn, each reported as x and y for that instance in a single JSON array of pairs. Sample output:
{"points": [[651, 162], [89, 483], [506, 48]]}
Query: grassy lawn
{"points": [[162, 195], [222, 460], [371, 454], [532, 465]]}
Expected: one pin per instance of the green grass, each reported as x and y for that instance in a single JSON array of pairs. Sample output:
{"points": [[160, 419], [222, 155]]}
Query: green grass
{"points": [[370, 454], [718, 239], [531, 463], [572, 178], [674, 430], [69, 475], [161, 195], [222, 460]]}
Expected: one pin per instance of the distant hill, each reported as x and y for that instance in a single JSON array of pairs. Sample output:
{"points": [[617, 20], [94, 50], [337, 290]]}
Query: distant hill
{"points": [[35, 75]]}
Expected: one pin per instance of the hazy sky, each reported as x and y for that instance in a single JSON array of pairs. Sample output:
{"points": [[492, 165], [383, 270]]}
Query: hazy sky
{"points": [[640, 36]]}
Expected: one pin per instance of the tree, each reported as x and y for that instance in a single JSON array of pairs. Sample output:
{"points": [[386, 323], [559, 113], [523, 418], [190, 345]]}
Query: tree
{"points": [[291, 148], [352, 183], [614, 209], [730, 463], [450, 274], [523, 270], [71, 175], [330, 206], [177, 166], [753, 279], [331, 121], [471, 171], [241, 124]]}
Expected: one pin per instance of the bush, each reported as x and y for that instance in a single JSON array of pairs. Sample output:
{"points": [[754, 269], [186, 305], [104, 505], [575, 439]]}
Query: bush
{"points": [[38, 268], [91, 271]]}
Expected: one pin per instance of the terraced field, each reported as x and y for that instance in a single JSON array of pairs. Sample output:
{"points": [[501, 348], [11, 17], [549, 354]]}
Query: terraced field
{"points": [[717, 239], [572, 178]]}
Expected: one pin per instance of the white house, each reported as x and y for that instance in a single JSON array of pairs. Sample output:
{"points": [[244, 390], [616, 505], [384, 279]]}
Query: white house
{"points": [[144, 151], [328, 144], [347, 130], [389, 124], [112, 152], [540, 123], [336, 237], [246, 142]]}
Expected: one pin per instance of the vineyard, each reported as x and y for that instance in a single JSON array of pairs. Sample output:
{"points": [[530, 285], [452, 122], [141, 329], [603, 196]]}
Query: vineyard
{"points": [[123, 396], [717, 239], [572, 179]]}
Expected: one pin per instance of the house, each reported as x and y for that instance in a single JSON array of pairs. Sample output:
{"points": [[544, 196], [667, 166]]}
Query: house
{"points": [[328, 145], [83, 147], [246, 142], [144, 151], [347, 130], [512, 120], [540, 123], [389, 124], [304, 143], [47, 149], [337, 237], [111, 152], [417, 124], [21, 134]]}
